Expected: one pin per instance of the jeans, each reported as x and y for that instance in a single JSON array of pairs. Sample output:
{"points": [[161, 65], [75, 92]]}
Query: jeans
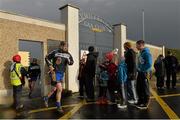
{"points": [[121, 95], [131, 90], [169, 74], [17, 92]]}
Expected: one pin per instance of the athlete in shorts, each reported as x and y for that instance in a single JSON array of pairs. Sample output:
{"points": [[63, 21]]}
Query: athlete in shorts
{"points": [[60, 59]]}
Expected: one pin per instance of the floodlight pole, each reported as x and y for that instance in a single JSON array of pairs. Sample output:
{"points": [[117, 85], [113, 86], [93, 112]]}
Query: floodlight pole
{"points": [[143, 25]]}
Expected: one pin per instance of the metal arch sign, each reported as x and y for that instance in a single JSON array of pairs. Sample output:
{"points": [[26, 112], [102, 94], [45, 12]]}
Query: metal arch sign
{"points": [[84, 17]]}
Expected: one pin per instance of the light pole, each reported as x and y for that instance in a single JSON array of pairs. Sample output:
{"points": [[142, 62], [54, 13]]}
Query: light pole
{"points": [[143, 27]]}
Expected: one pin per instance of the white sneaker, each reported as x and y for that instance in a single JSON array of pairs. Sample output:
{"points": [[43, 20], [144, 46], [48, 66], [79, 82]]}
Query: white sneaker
{"points": [[131, 101], [135, 101], [121, 106]]}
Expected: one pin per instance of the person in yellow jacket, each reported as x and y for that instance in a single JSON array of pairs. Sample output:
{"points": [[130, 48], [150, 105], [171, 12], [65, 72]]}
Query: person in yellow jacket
{"points": [[17, 73]]}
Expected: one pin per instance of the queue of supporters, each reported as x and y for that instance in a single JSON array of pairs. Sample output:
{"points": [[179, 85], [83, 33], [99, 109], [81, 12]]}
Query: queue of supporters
{"points": [[125, 79]]}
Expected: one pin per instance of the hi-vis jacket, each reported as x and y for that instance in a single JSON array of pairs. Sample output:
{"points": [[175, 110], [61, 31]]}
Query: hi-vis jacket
{"points": [[15, 79]]}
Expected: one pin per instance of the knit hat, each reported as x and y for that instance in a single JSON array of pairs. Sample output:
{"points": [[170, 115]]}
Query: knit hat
{"points": [[109, 56]]}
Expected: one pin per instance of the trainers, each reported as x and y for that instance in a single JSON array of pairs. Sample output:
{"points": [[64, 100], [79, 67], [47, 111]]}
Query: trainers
{"points": [[20, 107], [45, 101], [60, 110], [121, 106], [81, 97], [131, 101], [142, 106]]}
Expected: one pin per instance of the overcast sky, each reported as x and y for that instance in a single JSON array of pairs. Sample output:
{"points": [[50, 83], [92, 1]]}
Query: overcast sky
{"points": [[162, 17]]}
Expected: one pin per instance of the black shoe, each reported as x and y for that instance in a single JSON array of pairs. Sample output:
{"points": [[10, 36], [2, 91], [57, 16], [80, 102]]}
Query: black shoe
{"points": [[30, 95], [173, 87], [90, 100]]}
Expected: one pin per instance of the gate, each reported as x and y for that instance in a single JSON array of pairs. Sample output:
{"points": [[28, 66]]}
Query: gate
{"points": [[94, 31]]}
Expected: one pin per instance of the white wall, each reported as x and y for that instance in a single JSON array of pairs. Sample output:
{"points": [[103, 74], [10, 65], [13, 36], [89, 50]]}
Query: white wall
{"points": [[70, 17]]}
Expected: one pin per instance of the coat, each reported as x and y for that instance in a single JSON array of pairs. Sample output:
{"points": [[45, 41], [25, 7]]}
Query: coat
{"points": [[90, 67], [130, 60], [122, 72], [159, 66]]}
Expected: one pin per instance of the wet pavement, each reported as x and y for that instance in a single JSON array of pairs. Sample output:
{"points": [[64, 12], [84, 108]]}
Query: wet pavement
{"points": [[164, 105]]}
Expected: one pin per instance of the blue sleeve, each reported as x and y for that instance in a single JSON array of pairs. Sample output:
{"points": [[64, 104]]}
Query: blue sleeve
{"points": [[120, 74], [148, 62]]}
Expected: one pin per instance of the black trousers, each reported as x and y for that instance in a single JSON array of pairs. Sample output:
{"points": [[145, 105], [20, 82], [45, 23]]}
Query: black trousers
{"points": [[112, 87], [160, 81], [169, 75], [81, 86], [89, 86], [142, 88], [17, 92]]}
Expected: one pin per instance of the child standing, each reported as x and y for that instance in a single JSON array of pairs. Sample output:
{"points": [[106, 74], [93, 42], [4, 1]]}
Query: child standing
{"points": [[122, 79], [112, 71], [103, 82]]}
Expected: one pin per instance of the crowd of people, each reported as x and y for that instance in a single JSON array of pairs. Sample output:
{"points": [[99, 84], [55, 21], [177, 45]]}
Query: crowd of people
{"points": [[168, 67], [125, 78]]}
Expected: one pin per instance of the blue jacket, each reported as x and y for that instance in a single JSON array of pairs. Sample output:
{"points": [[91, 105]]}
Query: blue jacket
{"points": [[145, 60], [122, 72]]}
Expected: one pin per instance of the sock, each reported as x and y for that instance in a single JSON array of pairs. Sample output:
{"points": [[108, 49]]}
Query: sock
{"points": [[46, 98], [58, 104]]}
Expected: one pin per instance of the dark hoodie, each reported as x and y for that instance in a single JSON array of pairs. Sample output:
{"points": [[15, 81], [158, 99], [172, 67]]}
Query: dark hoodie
{"points": [[65, 57], [34, 70], [90, 67]]}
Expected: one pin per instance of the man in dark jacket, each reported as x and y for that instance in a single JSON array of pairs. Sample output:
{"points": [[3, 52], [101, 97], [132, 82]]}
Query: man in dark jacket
{"points": [[144, 69], [159, 66], [35, 73], [89, 71], [130, 59], [171, 64], [60, 59]]}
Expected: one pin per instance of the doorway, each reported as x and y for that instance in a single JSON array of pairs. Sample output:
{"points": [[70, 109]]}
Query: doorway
{"points": [[29, 49]]}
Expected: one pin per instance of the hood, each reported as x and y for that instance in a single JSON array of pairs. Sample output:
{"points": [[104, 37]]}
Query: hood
{"points": [[122, 63], [95, 54], [145, 50], [109, 56]]}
